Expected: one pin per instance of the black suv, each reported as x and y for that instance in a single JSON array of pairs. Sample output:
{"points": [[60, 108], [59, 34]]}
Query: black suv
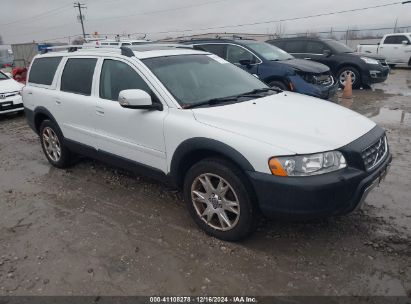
{"points": [[365, 69], [272, 65]]}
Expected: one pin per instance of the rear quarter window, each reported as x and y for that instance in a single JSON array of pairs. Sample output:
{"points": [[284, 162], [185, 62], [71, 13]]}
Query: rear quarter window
{"points": [[77, 76], [295, 46], [42, 70]]}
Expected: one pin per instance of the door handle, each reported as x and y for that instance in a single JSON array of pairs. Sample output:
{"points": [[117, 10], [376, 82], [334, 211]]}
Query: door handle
{"points": [[57, 101], [307, 58], [29, 92]]}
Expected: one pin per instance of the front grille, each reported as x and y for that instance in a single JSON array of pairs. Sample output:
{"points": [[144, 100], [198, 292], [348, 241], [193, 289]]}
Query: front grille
{"points": [[8, 94], [324, 80], [374, 154]]}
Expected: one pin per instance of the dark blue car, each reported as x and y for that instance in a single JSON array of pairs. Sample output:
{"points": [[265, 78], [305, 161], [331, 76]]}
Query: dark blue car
{"points": [[272, 65]]}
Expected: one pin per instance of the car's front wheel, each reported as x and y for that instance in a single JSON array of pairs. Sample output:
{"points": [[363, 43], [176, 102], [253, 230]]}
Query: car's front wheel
{"points": [[219, 199], [351, 71], [51, 140]]}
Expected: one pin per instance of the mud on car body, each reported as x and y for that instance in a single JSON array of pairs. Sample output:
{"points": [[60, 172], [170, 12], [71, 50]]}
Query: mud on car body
{"points": [[234, 146]]}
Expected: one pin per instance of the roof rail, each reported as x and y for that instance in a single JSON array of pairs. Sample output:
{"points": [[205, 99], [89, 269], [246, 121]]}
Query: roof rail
{"points": [[70, 48]]}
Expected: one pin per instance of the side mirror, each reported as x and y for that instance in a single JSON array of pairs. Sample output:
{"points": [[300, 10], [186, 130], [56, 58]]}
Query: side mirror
{"points": [[137, 99], [405, 42], [327, 53]]}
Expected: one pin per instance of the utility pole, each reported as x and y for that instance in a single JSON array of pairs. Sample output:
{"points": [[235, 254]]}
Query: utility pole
{"points": [[81, 16], [395, 25]]}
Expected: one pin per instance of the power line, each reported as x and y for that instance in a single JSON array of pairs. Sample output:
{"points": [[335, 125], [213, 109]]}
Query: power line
{"points": [[160, 11], [273, 21], [60, 8]]}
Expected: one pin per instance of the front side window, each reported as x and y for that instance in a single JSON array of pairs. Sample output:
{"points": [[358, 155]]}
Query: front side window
{"points": [[398, 39], [236, 54], [78, 75], [117, 76], [193, 79], [269, 52], [43, 69]]}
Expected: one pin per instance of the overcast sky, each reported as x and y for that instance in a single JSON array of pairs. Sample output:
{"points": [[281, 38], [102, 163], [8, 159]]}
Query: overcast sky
{"points": [[28, 20]]}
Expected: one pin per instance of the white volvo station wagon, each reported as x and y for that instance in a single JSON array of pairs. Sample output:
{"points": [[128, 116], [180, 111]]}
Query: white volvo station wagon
{"points": [[236, 148]]}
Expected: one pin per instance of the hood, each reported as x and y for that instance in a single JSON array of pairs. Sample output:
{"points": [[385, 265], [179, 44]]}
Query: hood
{"points": [[307, 66], [289, 121], [373, 56], [10, 85]]}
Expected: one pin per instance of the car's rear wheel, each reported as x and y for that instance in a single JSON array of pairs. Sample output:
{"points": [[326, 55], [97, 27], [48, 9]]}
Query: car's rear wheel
{"points": [[219, 199], [353, 72], [392, 66], [51, 140]]}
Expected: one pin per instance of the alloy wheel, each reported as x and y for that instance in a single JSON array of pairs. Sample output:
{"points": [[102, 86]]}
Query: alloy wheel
{"points": [[51, 144], [344, 75], [215, 201]]}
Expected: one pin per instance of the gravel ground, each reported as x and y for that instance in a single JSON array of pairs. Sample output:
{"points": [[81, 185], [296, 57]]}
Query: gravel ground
{"points": [[94, 230]]}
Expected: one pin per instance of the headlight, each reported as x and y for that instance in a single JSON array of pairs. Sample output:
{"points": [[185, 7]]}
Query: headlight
{"points": [[306, 165], [369, 60]]}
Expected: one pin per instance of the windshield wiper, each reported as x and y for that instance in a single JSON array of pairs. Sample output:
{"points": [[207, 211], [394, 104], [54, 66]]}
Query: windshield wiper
{"points": [[259, 91], [211, 102]]}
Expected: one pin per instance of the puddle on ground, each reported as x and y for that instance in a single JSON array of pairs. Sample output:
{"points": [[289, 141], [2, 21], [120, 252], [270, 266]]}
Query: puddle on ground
{"points": [[390, 116]]}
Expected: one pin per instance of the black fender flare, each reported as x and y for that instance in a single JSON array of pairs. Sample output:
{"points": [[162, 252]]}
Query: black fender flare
{"points": [[43, 111], [192, 145]]}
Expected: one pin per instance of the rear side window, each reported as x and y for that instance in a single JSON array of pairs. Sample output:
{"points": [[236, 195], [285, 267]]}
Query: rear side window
{"points": [[117, 76], [78, 75], [277, 43], [296, 46], [217, 49], [43, 69], [314, 47], [396, 39]]}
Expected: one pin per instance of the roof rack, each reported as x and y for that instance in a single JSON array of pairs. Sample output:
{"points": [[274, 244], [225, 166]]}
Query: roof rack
{"points": [[69, 48]]}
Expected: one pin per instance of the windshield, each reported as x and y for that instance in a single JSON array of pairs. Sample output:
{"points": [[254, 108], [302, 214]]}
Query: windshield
{"points": [[3, 76], [269, 52], [339, 47], [193, 79]]}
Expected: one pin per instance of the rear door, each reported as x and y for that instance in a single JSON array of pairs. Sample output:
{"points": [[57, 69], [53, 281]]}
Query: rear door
{"points": [[296, 48], [132, 134], [314, 50], [75, 104]]}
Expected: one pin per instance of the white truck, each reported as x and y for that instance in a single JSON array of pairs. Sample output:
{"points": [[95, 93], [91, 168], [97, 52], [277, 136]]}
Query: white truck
{"points": [[395, 47]]}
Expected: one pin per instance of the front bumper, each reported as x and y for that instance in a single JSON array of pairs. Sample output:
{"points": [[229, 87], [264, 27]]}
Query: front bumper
{"points": [[303, 87], [11, 104], [375, 74], [330, 194]]}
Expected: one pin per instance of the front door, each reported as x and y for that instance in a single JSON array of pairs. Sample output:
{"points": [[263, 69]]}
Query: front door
{"points": [[132, 134], [242, 58]]}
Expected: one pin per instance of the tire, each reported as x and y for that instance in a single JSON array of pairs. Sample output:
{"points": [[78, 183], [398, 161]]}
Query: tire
{"points": [[52, 142], [355, 76], [392, 66], [229, 197], [278, 84]]}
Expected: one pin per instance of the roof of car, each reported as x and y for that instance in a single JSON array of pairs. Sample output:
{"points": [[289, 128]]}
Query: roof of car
{"points": [[140, 52]]}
